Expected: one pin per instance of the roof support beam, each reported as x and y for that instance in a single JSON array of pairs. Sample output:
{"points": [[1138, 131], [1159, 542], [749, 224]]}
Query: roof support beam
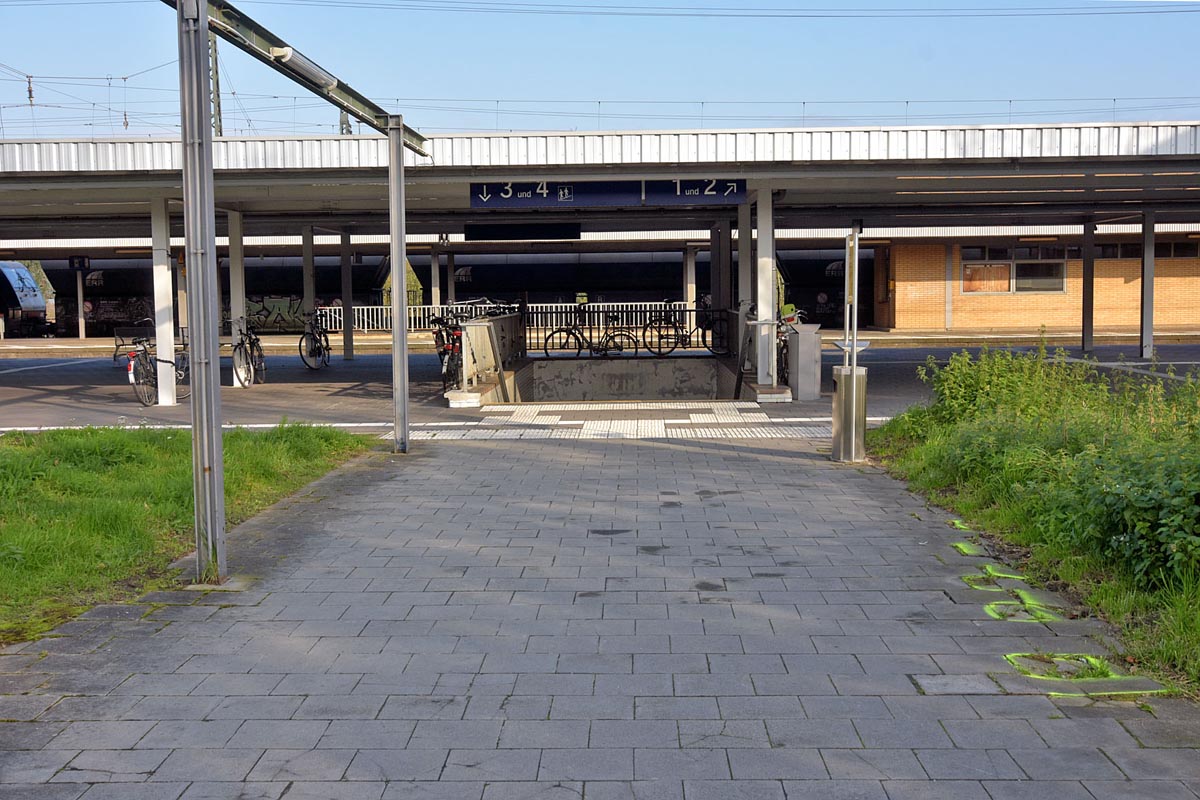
{"points": [[237, 28]]}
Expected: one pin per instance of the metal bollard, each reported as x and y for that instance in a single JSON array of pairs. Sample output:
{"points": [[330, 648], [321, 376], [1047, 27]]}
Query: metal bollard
{"points": [[849, 414]]}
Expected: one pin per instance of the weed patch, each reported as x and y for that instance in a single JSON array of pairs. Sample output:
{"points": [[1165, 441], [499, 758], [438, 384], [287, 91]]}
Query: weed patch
{"points": [[1096, 476]]}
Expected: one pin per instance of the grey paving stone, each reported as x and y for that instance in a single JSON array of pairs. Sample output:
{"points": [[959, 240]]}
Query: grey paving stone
{"points": [[879, 733], [1038, 790], [969, 764], [705, 733], [1066, 763], [835, 790], [225, 764], [114, 735], [733, 790], [42, 791], [935, 790], [448, 734], [32, 766], [542, 733], [103, 766], [876, 764], [633, 790], [789, 764], [135, 791], [302, 765], [807, 733], [496, 765], [594, 764], [396, 765], [315, 790], [1141, 789], [202, 790], [544, 790]]}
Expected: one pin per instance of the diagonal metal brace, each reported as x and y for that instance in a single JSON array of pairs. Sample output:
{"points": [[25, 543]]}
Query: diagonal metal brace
{"points": [[241, 31]]}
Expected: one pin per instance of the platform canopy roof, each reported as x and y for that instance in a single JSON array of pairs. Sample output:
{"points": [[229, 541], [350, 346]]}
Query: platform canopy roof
{"points": [[924, 177]]}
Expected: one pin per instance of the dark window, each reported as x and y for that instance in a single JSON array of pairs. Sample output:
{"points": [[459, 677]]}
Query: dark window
{"points": [[1131, 250], [1038, 276], [1107, 251], [1025, 251], [1074, 252], [1186, 249], [999, 253], [974, 253], [1162, 249], [1052, 252]]}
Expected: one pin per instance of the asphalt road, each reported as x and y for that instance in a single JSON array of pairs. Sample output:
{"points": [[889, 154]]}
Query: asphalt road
{"points": [[93, 391]]}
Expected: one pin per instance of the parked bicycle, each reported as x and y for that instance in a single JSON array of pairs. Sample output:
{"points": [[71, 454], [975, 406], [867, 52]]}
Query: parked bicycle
{"points": [[314, 342], [143, 372], [571, 340], [249, 363], [447, 338], [665, 331], [788, 314]]}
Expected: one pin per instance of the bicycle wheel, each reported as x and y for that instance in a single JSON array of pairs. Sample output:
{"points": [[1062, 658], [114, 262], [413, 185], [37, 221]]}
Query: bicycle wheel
{"points": [[243, 366], [563, 342], [145, 379], [259, 361], [661, 337], [310, 351], [452, 372], [619, 344], [325, 349], [716, 337], [781, 364], [183, 376]]}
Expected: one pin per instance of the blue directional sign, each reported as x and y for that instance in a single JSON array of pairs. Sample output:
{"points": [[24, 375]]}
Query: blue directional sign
{"points": [[694, 192], [608, 194], [551, 194]]}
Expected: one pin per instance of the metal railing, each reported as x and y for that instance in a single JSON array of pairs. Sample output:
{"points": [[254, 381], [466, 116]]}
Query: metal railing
{"points": [[539, 316], [598, 331]]}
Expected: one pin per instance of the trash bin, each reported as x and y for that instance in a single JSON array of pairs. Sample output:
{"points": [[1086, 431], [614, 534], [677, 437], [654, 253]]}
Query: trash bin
{"points": [[849, 414], [804, 355]]}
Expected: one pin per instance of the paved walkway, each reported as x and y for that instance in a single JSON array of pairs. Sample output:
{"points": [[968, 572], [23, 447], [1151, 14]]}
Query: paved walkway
{"points": [[586, 618]]}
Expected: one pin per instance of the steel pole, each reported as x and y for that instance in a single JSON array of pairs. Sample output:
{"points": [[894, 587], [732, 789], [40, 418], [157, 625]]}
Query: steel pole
{"points": [[199, 217], [1146, 326], [399, 265], [852, 289]]}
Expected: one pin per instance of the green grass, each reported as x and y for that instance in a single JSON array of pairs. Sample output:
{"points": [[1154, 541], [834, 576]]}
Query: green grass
{"points": [[1096, 477], [96, 515]]}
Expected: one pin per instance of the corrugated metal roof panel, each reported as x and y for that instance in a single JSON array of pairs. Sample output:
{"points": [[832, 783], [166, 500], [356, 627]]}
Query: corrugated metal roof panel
{"points": [[621, 148]]}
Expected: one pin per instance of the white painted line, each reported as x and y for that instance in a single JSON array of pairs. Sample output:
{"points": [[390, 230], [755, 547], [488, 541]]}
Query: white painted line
{"points": [[48, 366]]}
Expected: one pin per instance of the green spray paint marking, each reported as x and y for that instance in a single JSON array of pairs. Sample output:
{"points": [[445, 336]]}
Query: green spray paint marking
{"points": [[1016, 611], [987, 581], [992, 571], [968, 548], [981, 582], [958, 523], [1062, 666]]}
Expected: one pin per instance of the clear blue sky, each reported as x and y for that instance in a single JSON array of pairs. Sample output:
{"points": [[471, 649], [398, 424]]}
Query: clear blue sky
{"points": [[455, 71]]}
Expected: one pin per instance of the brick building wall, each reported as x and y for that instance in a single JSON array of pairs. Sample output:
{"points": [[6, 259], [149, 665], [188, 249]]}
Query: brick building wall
{"points": [[920, 274]]}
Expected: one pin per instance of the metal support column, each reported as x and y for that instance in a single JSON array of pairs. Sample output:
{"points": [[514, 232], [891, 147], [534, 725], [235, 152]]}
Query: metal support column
{"points": [[765, 281], [435, 277], [1146, 336], [347, 298], [1088, 252], [396, 235], [450, 277], [745, 252], [81, 320], [720, 267], [164, 306], [237, 279], [200, 249], [689, 276], [308, 266]]}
